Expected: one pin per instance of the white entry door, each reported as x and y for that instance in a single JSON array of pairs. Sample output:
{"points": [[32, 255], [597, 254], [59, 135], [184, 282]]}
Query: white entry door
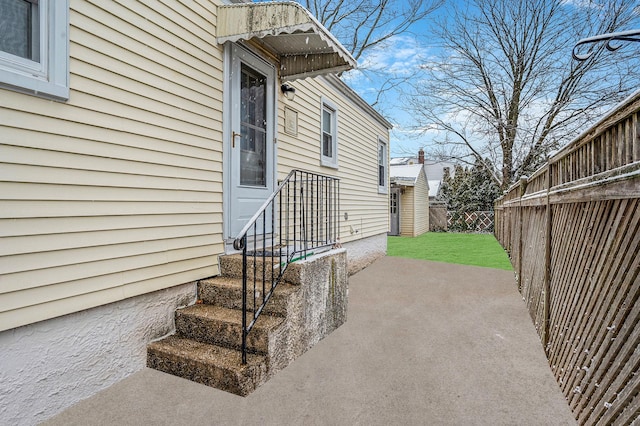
{"points": [[252, 155]]}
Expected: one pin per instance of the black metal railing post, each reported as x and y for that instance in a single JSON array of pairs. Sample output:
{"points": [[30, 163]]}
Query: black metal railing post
{"points": [[303, 212], [244, 299]]}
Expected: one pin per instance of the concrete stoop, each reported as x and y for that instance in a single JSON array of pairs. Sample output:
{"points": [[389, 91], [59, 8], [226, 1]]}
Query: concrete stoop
{"points": [[307, 306]]}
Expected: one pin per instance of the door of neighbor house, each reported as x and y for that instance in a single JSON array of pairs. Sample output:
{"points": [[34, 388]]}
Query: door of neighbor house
{"points": [[252, 158], [394, 211]]}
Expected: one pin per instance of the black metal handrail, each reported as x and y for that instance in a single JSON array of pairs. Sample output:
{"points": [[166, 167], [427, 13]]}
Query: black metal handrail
{"points": [[300, 217]]}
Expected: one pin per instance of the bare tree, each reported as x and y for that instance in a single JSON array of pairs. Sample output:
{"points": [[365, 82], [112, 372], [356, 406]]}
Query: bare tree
{"points": [[365, 25], [506, 86]]}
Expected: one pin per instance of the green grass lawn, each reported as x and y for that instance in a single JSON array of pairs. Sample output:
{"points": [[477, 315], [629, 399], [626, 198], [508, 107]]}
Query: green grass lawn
{"points": [[466, 249]]}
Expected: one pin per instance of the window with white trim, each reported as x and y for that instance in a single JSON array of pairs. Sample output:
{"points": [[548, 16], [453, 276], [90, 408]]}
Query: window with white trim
{"points": [[382, 166], [34, 47], [329, 128]]}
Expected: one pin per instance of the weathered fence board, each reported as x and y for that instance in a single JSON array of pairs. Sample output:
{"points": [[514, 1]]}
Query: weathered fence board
{"points": [[573, 235], [533, 252], [438, 216]]}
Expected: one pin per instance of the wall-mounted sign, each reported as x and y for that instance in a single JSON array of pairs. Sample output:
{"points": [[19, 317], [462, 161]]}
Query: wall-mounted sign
{"points": [[290, 121]]}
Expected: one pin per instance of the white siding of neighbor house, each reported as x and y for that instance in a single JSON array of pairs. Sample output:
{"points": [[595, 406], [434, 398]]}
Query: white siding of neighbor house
{"points": [[407, 212], [421, 206], [118, 191], [358, 134], [414, 208]]}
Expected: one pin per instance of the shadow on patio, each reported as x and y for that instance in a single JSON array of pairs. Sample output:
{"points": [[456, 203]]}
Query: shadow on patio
{"points": [[424, 343]]}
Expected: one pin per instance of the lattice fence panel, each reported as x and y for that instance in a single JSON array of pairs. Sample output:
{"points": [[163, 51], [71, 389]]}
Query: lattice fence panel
{"points": [[480, 221]]}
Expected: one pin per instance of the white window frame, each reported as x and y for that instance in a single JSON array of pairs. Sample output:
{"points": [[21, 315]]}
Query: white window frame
{"points": [[49, 76], [383, 189], [329, 161]]}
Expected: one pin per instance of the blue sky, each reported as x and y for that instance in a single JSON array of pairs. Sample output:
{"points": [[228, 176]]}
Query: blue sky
{"points": [[403, 55]]}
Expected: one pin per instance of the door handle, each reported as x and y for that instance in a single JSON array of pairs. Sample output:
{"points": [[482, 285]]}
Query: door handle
{"points": [[233, 138]]}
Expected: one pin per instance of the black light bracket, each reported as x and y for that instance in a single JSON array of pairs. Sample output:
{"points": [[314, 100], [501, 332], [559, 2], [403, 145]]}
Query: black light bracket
{"points": [[610, 39]]}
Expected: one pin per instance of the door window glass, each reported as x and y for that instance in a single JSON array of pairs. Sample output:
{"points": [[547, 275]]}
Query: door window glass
{"points": [[253, 128]]}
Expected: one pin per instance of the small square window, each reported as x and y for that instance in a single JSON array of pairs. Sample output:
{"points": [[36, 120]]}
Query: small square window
{"points": [[329, 142], [34, 47]]}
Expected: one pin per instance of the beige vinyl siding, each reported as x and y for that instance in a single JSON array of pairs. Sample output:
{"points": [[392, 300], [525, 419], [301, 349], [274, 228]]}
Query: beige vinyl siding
{"points": [[117, 192], [407, 212], [358, 135], [414, 208], [421, 206]]}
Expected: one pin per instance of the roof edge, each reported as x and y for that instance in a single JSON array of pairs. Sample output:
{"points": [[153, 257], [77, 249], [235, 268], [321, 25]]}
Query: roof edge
{"points": [[292, 18], [351, 94]]}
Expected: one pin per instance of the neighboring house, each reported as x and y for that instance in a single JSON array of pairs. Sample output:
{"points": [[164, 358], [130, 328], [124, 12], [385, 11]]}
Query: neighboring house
{"points": [[135, 141], [409, 200], [433, 169], [435, 172]]}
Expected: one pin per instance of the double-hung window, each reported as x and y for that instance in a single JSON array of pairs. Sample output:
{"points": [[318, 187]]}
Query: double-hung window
{"points": [[382, 166], [34, 47], [329, 142]]}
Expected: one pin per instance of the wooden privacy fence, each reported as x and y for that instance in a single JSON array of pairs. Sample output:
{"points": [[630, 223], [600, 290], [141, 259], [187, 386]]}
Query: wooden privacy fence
{"points": [[572, 232], [438, 216]]}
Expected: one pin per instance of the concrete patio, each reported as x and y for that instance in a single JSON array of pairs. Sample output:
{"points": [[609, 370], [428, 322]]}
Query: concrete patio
{"points": [[425, 343]]}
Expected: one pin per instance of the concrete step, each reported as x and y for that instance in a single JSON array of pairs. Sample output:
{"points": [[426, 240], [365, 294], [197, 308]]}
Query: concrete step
{"points": [[226, 292], [208, 336], [223, 327], [231, 266], [208, 364]]}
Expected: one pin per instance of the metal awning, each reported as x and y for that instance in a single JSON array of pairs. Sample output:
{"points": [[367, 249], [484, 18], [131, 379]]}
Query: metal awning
{"points": [[305, 48]]}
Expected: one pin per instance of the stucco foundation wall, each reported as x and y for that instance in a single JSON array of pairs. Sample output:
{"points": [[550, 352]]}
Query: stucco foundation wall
{"points": [[48, 366], [361, 253]]}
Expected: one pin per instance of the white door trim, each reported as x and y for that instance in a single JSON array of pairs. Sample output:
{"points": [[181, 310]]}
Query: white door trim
{"points": [[231, 49]]}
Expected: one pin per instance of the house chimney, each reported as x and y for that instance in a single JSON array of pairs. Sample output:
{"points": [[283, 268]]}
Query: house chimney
{"points": [[421, 156]]}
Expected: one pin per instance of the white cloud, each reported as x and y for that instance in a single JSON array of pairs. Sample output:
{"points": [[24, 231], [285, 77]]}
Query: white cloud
{"points": [[587, 4], [386, 65], [400, 55]]}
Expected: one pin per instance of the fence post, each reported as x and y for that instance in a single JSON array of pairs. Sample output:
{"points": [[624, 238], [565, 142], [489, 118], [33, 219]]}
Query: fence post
{"points": [[523, 188], [547, 264]]}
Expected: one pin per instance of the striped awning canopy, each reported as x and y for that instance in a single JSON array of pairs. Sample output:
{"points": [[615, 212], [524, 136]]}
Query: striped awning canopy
{"points": [[304, 47]]}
